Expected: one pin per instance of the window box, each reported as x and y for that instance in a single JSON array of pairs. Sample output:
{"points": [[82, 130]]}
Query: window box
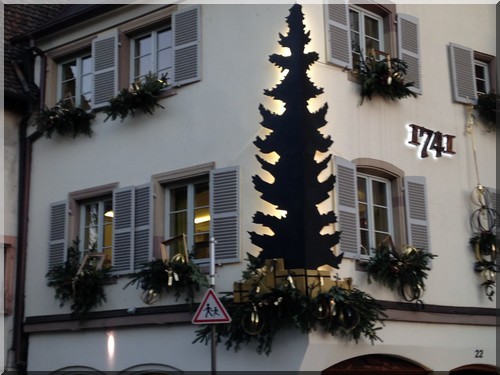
{"points": [[141, 95], [65, 119], [383, 77]]}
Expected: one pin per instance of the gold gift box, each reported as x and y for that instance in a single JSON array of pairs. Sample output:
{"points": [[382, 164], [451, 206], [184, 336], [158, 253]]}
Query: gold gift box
{"points": [[309, 282]]}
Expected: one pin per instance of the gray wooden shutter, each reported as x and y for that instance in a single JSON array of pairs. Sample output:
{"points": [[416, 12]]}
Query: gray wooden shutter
{"points": [[409, 49], [186, 51], [224, 213], [338, 33], [493, 205], [105, 70], [416, 212], [123, 233], [348, 214], [143, 225], [462, 74], [57, 233]]}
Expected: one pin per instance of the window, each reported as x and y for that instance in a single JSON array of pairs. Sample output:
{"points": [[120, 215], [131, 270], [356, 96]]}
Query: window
{"points": [[374, 200], [374, 207], [368, 27], [75, 81], [200, 202], [366, 33], [96, 232], [152, 53], [189, 213], [482, 77], [473, 73]]}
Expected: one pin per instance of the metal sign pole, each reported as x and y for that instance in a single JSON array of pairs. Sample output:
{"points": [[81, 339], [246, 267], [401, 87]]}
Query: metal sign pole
{"points": [[213, 342]]}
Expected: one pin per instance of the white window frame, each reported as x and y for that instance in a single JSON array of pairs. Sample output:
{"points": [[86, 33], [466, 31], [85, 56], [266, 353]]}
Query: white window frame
{"points": [[154, 52], [190, 184], [100, 224], [370, 212], [485, 66], [78, 78], [362, 13]]}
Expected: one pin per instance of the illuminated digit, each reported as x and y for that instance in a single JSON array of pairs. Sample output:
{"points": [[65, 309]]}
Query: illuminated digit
{"points": [[449, 144], [428, 133], [437, 144], [414, 135]]}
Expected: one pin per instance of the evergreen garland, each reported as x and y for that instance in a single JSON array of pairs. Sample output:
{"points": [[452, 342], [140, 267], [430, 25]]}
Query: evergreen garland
{"points": [[176, 276], [384, 77], [85, 290], [64, 119], [141, 95], [487, 109], [340, 312], [404, 272]]}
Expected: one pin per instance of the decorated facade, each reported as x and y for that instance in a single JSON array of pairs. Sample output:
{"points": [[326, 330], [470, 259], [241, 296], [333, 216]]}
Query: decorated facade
{"points": [[339, 206]]}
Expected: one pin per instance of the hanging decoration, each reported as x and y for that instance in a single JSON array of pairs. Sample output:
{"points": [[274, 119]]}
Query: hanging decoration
{"points": [[271, 298], [178, 276], [81, 282], [403, 271], [483, 223], [483, 241]]}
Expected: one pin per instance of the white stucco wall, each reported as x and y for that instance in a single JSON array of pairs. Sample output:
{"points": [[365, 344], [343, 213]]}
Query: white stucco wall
{"points": [[217, 119]]}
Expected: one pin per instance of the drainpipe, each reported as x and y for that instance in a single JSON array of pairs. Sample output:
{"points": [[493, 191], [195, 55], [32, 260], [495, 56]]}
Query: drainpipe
{"points": [[20, 339]]}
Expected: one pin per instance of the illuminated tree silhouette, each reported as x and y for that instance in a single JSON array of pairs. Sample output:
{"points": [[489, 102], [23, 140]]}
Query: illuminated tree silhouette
{"points": [[296, 139]]}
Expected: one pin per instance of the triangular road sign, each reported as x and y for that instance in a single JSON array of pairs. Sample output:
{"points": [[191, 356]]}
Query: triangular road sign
{"points": [[211, 310]]}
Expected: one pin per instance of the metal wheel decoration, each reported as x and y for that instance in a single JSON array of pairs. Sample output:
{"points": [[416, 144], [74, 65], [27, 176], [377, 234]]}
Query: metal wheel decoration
{"points": [[483, 223]]}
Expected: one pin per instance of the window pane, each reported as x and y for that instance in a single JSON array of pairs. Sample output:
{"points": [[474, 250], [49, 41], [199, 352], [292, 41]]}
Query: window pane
{"points": [[69, 70], [379, 193], [372, 45], [371, 28], [379, 238], [178, 223], [362, 196], [363, 215], [143, 46], [86, 65], [201, 197], [202, 220], [164, 59], [91, 214], [164, 39], [68, 90], [354, 20], [381, 219], [480, 71], [201, 246], [365, 243], [178, 199], [142, 66]]}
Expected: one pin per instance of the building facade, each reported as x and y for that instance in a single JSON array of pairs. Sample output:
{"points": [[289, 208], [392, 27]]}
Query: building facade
{"points": [[404, 169]]}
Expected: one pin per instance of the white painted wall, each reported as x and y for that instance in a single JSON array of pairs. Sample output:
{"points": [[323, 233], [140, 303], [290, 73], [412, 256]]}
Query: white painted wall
{"points": [[217, 119]]}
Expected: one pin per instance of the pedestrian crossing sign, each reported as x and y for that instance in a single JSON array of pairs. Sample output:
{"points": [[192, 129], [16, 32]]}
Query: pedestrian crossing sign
{"points": [[211, 310]]}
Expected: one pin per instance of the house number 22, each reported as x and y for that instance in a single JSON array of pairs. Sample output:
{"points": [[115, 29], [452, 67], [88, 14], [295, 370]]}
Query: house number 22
{"points": [[437, 141]]}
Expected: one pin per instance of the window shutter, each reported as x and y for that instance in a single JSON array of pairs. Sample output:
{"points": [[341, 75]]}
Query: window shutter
{"points": [[409, 49], [416, 212], [348, 214], [338, 33], [57, 233], [462, 74], [186, 53], [493, 205], [123, 235], [105, 70], [224, 213], [143, 225]]}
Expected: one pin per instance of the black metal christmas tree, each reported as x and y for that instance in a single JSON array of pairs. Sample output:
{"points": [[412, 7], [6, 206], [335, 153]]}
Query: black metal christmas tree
{"points": [[296, 139]]}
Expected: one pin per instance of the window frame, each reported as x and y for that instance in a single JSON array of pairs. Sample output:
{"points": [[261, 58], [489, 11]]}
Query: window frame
{"points": [[101, 225], [370, 209], [153, 32], [362, 14], [190, 185], [77, 102]]}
